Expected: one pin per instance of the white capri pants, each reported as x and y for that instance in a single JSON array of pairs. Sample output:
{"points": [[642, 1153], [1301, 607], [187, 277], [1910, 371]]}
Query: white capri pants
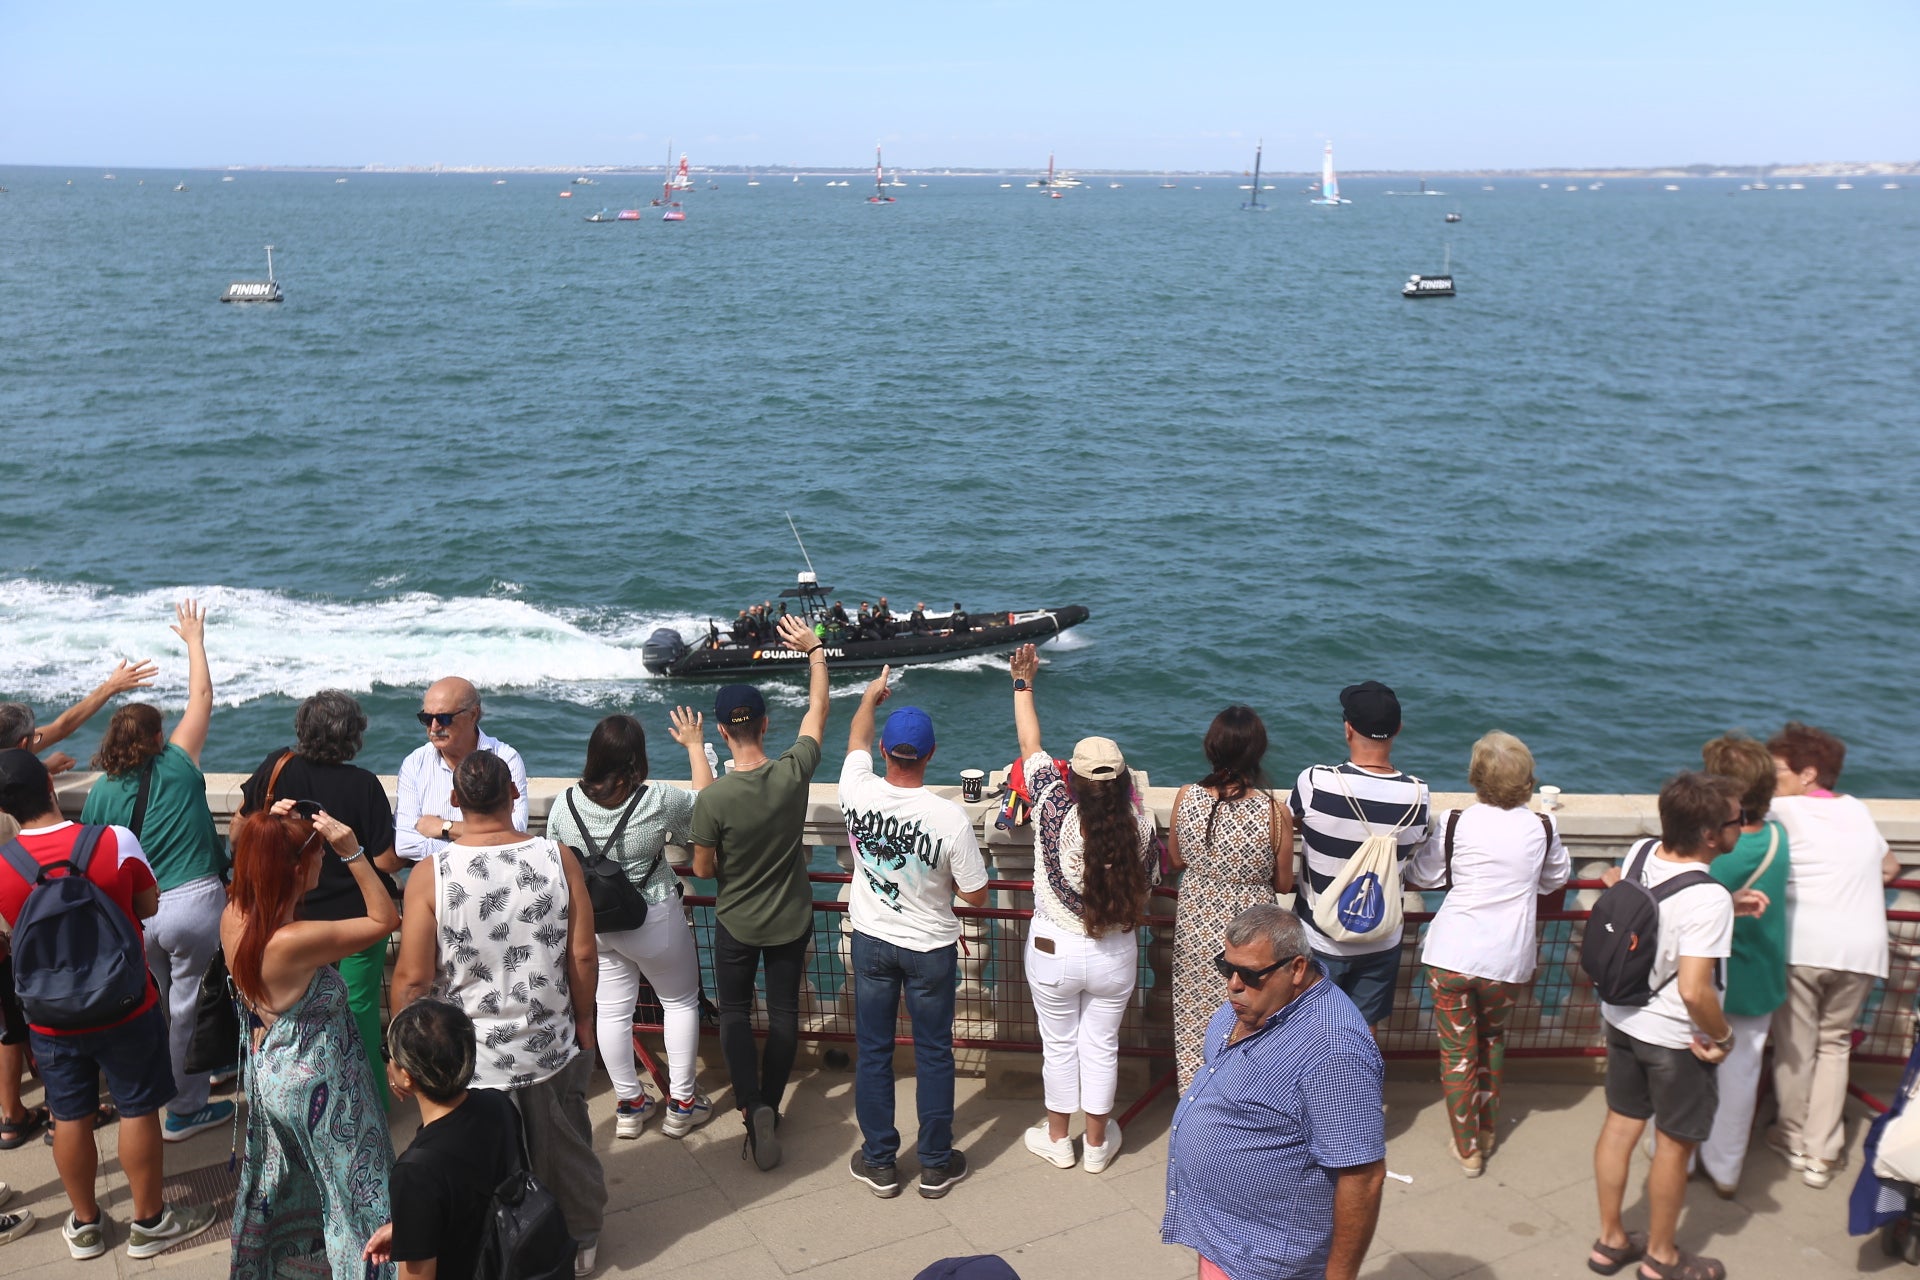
{"points": [[1081, 993], [1725, 1150], [661, 950]]}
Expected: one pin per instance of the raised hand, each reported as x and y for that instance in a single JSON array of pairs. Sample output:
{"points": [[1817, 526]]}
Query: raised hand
{"points": [[684, 726], [877, 691], [190, 622], [129, 676], [798, 634], [1025, 662]]}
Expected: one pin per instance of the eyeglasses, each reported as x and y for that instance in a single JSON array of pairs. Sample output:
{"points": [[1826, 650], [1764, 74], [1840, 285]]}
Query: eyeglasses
{"points": [[439, 719], [1737, 820], [1251, 977]]}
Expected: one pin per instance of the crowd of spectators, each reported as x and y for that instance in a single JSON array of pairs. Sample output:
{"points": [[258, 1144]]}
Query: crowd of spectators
{"points": [[521, 959]]}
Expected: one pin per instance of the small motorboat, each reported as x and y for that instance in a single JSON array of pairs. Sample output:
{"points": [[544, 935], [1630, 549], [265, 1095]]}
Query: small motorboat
{"points": [[605, 215], [1453, 217]]}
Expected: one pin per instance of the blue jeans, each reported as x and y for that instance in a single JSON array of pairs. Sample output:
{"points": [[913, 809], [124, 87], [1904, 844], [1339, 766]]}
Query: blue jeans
{"points": [[882, 972]]}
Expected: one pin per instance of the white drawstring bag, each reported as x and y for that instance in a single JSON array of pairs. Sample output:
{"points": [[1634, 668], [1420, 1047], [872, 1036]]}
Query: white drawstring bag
{"points": [[1363, 902]]}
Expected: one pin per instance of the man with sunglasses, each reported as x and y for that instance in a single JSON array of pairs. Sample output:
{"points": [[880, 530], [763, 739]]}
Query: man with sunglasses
{"points": [[1278, 1150], [426, 820]]}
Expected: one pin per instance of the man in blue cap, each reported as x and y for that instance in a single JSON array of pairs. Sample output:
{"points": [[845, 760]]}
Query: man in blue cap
{"points": [[914, 852], [747, 834]]}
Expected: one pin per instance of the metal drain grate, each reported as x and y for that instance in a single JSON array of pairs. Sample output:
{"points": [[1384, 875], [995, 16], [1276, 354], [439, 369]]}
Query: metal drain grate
{"points": [[212, 1185]]}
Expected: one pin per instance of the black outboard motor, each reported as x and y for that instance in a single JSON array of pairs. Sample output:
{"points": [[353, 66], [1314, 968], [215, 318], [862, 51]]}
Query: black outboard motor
{"points": [[662, 649]]}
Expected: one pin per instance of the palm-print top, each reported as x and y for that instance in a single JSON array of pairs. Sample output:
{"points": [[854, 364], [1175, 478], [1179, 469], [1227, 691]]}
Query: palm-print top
{"points": [[502, 916]]}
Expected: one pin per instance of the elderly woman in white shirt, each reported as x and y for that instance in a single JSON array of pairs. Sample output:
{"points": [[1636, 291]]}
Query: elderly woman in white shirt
{"points": [[1494, 859]]}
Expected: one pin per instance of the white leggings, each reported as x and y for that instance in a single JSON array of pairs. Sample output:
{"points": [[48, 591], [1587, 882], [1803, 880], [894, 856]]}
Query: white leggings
{"points": [[662, 951], [1081, 993]]}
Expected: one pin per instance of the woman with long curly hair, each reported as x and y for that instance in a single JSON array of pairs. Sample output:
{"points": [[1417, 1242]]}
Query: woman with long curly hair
{"points": [[1232, 840], [1093, 843], [314, 1186]]}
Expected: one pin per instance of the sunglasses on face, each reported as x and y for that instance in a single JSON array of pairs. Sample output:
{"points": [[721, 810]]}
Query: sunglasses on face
{"points": [[1251, 977], [439, 719]]}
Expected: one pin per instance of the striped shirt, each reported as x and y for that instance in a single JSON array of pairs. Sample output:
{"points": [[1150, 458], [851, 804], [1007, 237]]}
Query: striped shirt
{"points": [[1259, 1137], [1333, 832]]}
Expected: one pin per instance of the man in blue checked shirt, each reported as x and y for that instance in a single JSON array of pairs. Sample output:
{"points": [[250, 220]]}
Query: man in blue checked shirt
{"points": [[1278, 1150]]}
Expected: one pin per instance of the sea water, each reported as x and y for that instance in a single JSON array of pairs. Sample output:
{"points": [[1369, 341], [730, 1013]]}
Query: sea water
{"points": [[1650, 476]]}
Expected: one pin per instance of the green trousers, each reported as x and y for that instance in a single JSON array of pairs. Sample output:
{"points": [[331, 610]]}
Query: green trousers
{"points": [[364, 972]]}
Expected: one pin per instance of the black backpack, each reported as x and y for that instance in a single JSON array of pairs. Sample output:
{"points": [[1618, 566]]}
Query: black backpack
{"points": [[618, 904], [1623, 932], [78, 963], [525, 1235]]}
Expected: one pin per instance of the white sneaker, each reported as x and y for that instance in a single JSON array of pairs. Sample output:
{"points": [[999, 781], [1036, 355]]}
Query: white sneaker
{"points": [[583, 1261], [682, 1119], [89, 1241], [1818, 1173], [1098, 1158], [1058, 1154], [630, 1116]]}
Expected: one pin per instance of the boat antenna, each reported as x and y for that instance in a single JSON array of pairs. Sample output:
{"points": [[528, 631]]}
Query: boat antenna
{"points": [[796, 538]]}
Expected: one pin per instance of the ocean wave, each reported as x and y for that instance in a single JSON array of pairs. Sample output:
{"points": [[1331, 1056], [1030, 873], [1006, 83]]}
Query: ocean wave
{"points": [[63, 637]]}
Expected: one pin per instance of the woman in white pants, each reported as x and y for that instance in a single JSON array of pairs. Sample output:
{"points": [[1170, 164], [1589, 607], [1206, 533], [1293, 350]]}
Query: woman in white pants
{"points": [[1093, 843], [613, 809], [1757, 969]]}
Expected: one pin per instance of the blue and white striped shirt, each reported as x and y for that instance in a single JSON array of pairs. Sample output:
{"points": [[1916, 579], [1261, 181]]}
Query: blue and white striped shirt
{"points": [[1332, 832], [1259, 1137]]}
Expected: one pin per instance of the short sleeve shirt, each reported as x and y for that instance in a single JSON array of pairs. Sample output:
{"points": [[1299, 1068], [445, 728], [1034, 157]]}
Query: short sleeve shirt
{"points": [[118, 866], [1757, 969], [348, 793], [442, 1186], [911, 849], [177, 833], [663, 816], [754, 820], [1695, 922]]}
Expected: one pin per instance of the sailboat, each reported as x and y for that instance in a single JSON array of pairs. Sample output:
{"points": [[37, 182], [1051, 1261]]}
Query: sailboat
{"points": [[751, 180], [1167, 183], [1254, 204], [683, 181], [1329, 184], [879, 195]]}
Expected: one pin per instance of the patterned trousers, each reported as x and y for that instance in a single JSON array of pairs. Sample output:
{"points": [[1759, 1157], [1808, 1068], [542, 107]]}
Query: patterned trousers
{"points": [[1470, 1017]]}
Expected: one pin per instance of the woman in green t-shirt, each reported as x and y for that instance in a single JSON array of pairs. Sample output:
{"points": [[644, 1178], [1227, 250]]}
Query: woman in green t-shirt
{"points": [[1757, 970], [176, 832]]}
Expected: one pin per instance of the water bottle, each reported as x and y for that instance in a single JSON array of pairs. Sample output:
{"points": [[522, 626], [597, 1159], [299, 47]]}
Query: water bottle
{"points": [[713, 758]]}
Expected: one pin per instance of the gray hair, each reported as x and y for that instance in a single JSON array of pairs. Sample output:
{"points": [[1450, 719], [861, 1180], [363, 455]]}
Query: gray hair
{"points": [[330, 727], [432, 1041], [1280, 927], [16, 725]]}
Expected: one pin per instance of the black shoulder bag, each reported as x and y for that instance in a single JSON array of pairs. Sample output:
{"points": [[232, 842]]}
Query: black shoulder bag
{"points": [[618, 904]]}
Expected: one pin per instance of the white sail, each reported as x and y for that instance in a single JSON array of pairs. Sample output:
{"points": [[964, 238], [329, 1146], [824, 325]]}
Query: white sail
{"points": [[1329, 182]]}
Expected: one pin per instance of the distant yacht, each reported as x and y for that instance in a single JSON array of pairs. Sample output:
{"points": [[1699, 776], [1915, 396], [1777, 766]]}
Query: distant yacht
{"points": [[1843, 186], [751, 180], [1889, 186], [1167, 183], [228, 178], [1329, 181], [181, 185], [338, 181], [1253, 204], [1671, 186], [605, 215], [499, 182], [584, 181], [1454, 216], [880, 195]]}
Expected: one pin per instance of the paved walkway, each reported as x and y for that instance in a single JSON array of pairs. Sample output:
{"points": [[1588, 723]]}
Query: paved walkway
{"points": [[694, 1210]]}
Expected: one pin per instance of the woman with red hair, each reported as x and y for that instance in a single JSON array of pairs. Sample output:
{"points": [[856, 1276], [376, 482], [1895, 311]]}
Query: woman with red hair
{"points": [[314, 1186]]}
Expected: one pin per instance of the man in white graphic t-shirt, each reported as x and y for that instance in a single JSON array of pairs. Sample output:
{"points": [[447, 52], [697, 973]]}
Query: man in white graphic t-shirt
{"points": [[913, 852]]}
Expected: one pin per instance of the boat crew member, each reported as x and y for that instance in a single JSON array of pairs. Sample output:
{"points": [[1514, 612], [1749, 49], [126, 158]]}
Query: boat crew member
{"points": [[713, 634], [883, 619], [958, 620], [917, 620], [742, 628], [865, 628], [838, 615]]}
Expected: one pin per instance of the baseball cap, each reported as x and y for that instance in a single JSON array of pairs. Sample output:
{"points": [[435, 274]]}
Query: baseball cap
{"points": [[908, 735], [1371, 709], [1098, 759], [738, 704]]}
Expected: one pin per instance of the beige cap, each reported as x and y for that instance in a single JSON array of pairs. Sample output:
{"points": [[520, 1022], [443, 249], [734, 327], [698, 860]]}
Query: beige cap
{"points": [[1098, 759]]}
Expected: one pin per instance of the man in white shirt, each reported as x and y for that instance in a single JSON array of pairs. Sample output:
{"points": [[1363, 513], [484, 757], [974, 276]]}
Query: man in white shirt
{"points": [[914, 852], [1661, 1055], [426, 819]]}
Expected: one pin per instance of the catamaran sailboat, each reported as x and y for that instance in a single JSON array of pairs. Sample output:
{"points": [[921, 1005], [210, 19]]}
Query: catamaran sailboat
{"points": [[879, 195], [1329, 183], [1253, 204]]}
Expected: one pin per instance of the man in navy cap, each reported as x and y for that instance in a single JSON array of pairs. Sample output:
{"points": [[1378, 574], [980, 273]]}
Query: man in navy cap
{"points": [[914, 851], [747, 829], [1337, 808]]}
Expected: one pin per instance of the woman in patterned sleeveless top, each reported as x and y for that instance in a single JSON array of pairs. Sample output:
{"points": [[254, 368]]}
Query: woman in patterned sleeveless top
{"points": [[1234, 842]]}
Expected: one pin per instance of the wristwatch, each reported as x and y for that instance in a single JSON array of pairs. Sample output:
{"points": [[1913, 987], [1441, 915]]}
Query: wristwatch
{"points": [[446, 829], [1019, 685]]}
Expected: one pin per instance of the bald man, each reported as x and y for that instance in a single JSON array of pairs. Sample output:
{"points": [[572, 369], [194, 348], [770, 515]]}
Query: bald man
{"points": [[426, 818]]}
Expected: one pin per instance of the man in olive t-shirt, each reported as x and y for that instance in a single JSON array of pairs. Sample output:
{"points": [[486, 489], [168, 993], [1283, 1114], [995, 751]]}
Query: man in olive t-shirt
{"points": [[748, 834]]}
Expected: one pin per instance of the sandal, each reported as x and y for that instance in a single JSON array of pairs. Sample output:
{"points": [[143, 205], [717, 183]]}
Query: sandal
{"points": [[1687, 1266], [1616, 1259], [18, 1134], [106, 1115]]}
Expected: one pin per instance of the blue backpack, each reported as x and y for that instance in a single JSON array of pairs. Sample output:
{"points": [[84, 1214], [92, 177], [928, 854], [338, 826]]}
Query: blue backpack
{"points": [[78, 963]]}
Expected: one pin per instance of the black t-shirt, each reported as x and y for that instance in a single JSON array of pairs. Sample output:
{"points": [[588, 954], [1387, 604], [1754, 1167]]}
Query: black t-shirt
{"points": [[350, 794], [438, 1212]]}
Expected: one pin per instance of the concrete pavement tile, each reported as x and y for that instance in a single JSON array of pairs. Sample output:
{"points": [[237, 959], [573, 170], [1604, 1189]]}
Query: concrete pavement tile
{"points": [[811, 1157], [840, 1220], [899, 1258], [677, 1232], [1123, 1244], [752, 1263], [1145, 1187], [652, 1167], [1464, 1226], [1390, 1265], [1040, 1200]]}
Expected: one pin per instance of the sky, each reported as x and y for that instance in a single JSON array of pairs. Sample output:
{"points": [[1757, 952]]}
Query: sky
{"points": [[986, 83]]}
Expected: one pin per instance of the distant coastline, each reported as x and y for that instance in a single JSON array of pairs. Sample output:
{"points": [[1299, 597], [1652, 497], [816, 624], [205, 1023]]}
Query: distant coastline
{"points": [[1805, 169]]}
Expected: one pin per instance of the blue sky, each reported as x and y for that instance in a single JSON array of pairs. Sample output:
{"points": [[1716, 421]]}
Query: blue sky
{"points": [[564, 82]]}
